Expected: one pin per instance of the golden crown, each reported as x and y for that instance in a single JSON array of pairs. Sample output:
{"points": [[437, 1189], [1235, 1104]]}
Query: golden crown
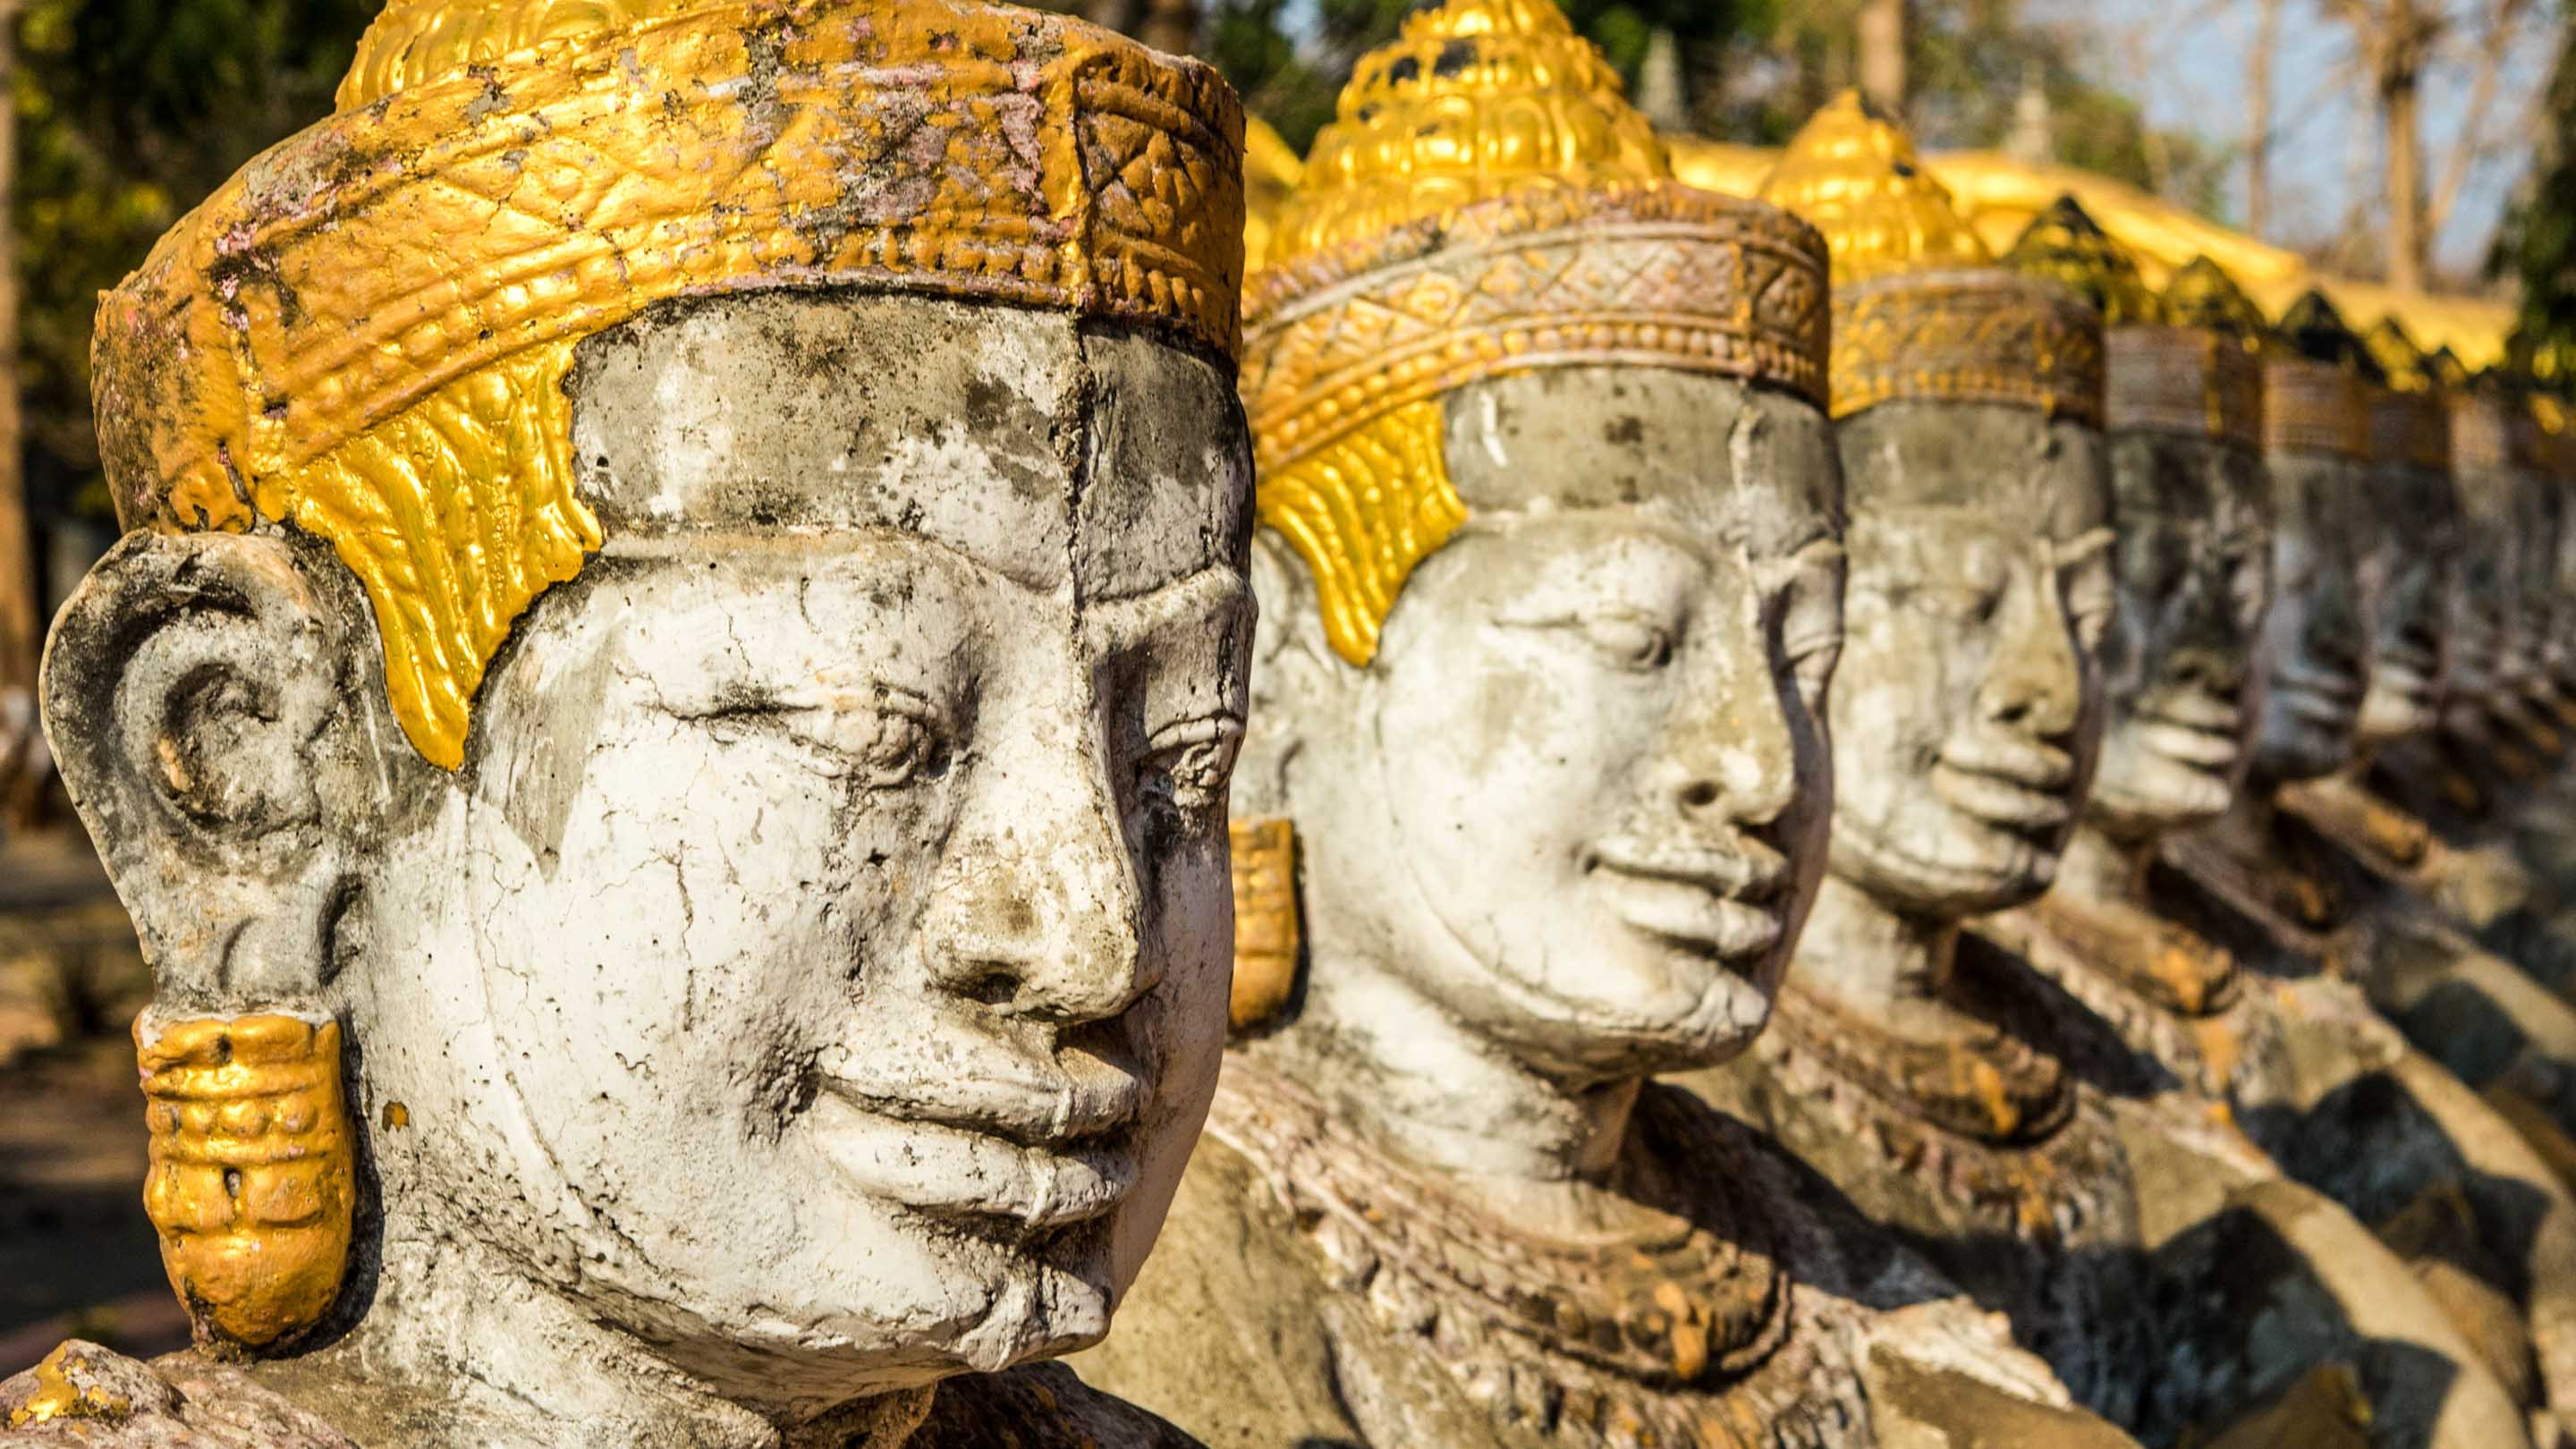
{"points": [[2197, 374], [1486, 203], [2408, 423], [365, 331], [2065, 245], [2204, 297], [2317, 383], [1919, 312]]}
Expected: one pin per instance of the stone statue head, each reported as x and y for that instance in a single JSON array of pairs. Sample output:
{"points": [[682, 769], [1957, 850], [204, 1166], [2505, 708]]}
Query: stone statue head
{"points": [[2185, 415], [1550, 574], [2411, 542], [711, 648], [2507, 510], [1968, 405], [2316, 424]]}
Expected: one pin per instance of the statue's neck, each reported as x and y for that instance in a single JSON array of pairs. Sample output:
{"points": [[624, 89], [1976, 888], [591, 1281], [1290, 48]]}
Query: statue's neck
{"points": [[1869, 958], [2103, 868], [1437, 1093]]}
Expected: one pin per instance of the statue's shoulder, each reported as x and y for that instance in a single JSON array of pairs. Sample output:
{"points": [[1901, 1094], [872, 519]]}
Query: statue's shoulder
{"points": [[1039, 1406], [96, 1398]]}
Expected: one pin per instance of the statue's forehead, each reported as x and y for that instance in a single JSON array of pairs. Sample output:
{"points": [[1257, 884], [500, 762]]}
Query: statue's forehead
{"points": [[1737, 462], [1010, 435], [2040, 474]]}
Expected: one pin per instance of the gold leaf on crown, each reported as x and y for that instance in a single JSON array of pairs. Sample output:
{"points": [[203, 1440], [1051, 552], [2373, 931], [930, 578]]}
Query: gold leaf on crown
{"points": [[2199, 373], [2065, 245], [2408, 423], [1485, 203], [2317, 399], [1473, 100], [508, 176], [1919, 311]]}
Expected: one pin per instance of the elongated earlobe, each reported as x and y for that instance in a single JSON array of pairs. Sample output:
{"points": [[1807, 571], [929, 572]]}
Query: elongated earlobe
{"points": [[1266, 936]]}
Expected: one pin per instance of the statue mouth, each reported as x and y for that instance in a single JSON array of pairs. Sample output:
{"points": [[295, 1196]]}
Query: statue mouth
{"points": [[1720, 902], [2327, 702], [2019, 785], [998, 1133], [2195, 744]]}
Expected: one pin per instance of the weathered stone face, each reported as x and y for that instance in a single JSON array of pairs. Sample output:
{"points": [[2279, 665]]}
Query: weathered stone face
{"points": [[818, 968], [2195, 568], [2411, 556], [1577, 802], [2485, 607], [1968, 718], [2318, 635]]}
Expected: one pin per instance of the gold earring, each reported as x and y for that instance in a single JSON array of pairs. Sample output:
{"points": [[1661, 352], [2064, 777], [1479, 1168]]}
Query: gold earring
{"points": [[252, 1180], [1265, 919]]}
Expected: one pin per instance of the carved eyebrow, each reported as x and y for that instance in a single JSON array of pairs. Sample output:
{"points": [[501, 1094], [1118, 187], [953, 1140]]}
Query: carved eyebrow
{"points": [[1114, 624]]}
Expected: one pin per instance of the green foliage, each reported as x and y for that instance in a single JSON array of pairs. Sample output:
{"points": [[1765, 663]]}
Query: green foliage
{"points": [[2537, 246], [128, 112]]}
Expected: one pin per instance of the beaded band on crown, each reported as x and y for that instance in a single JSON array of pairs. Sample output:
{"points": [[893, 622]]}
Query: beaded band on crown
{"points": [[507, 176], [1486, 202], [1659, 275], [2314, 407], [1974, 337], [2482, 434], [2412, 428], [2184, 381]]}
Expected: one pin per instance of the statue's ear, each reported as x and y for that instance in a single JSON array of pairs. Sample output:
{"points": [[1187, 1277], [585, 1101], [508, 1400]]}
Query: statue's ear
{"points": [[199, 695]]}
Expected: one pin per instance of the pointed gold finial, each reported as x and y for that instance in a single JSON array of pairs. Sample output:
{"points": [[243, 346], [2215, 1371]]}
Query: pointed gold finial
{"points": [[1852, 171], [2398, 357], [1487, 203], [2203, 296], [2408, 423], [2065, 245], [1476, 99], [1921, 313]]}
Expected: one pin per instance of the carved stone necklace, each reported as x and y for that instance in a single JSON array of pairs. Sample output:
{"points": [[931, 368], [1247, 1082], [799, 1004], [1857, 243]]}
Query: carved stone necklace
{"points": [[1685, 1332], [2169, 994], [1980, 1082]]}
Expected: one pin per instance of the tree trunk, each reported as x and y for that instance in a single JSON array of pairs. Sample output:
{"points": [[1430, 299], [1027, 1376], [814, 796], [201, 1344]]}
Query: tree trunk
{"points": [[1880, 38], [2258, 116], [18, 639], [1171, 26], [2406, 241]]}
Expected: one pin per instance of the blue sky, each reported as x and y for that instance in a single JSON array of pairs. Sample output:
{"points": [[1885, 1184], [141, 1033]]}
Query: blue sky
{"points": [[2186, 59]]}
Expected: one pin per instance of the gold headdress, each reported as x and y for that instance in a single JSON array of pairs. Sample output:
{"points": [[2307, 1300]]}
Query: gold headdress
{"points": [[2203, 296], [2317, 383], [1485, 203], [2408, 423], [2065, 245], [1919, 311], [365, 330], [2164, 374]]}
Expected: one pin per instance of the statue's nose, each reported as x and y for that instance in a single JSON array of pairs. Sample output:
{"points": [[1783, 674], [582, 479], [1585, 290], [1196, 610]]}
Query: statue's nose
{"points": [[2036, 683], [1036, 910]]}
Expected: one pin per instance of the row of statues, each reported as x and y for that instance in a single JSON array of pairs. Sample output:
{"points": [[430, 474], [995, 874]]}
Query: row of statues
{"points": [[1832, 840]]}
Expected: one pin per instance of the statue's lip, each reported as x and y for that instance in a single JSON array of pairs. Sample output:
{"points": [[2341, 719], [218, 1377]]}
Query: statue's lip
{"points": [[2197, 746], [1718, 900], [2330, 701], [1000, 1091], [1749, 872], [968, 1173]]}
